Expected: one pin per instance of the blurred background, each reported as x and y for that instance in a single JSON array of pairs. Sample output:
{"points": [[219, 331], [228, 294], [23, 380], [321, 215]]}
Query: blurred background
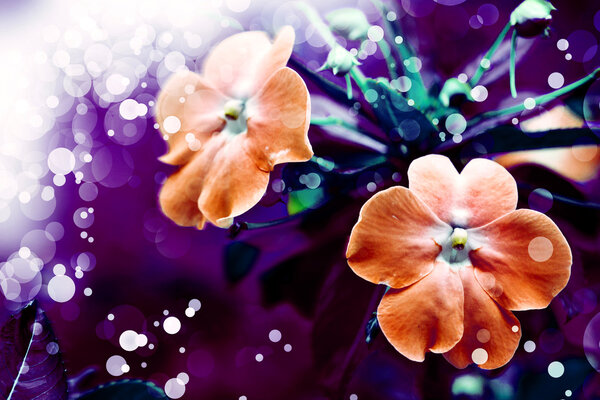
{"points": [[275, 313]]}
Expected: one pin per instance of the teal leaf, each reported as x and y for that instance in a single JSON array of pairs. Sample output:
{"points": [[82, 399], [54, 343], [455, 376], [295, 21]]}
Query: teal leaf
{"points": [[401, 122], [240, 257], [125, 390], [32, 366]]}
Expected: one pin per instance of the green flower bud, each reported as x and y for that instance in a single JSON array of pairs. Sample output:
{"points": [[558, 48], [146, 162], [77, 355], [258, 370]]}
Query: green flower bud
{"points": [[532, 17], [340, 61], [454, 92], [350, 23]]}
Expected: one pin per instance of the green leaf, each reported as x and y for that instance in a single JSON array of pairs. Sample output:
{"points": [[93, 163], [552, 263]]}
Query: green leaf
{"points": [[125, 390], [301, 200], [240, 257], [400, 121]]}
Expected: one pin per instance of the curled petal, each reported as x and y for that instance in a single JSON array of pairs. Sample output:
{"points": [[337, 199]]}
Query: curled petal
{"points": [[198, 114], [242, 63], [426, 316], [233, 184], [491, 334], [394, 240], [523, 260], [482, 192], [180, 192], [279, 121], [276, 58]]}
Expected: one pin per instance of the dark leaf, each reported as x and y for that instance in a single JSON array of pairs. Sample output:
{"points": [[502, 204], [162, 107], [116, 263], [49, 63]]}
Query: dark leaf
{"points": [[124, 390], [401, 122], [334, 91], [240, 257], [542, 386], [32, 366], [507, 138]]}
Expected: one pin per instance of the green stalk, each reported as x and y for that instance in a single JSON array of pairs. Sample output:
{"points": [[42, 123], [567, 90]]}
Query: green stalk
{"points": [[490, 53], [417, 91], [348, 87], [513, 55], [316, 20]]}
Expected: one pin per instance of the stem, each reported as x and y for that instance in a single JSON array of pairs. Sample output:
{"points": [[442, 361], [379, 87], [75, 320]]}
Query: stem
{"points": [[331, 120], [513, 51], [317, 22], [546, 98], [348, 87], [417, 91], [389, 60], [359, 78], [481, 70]]}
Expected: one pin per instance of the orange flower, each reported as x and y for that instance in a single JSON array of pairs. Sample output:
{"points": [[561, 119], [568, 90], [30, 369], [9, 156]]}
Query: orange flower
{"points": [[228, 127], [458, 257]]}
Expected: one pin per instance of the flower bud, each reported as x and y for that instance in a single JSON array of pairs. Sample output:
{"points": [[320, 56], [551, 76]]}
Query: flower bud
{"points": [[532, 17], [350, 23], [340, 61], [455, 92]]}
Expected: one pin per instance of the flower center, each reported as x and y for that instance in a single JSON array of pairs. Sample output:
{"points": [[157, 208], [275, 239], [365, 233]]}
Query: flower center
{"points": [[456, 248], [234, 112], [458, 238]]}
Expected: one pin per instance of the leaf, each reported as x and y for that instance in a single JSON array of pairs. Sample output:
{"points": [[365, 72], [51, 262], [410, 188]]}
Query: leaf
{"points": [[301, 200], [507, 138], [400, 121], [240, 257], [32, 365], [124, 390]]}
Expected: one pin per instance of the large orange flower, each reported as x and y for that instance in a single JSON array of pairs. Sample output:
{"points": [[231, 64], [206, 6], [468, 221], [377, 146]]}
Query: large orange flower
{"points": [[228, 127], [458, 257]]}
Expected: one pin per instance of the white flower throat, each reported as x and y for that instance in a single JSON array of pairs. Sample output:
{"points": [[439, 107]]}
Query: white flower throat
{"points": [[235, 113], [455, 248]]}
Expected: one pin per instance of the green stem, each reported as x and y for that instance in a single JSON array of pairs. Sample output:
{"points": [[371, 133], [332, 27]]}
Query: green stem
{"points": [[513, 52], [331, 120], [389, 60], [317, 22], [488, 56], [540, 100], [359, 78], [348, 87], [323, 163], [417, 91]]}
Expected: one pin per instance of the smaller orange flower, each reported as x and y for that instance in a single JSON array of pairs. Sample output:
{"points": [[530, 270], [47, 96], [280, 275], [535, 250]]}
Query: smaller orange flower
{"points": [[458, 257], [229, 127]]}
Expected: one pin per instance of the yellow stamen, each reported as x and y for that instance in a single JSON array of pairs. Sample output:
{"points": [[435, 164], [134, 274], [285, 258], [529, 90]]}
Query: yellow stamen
{"points": [[233, 109], [459, 238]]}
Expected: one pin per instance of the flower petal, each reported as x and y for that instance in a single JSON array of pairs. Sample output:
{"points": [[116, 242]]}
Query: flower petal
{"points": [[242, 63], [394, 240], [277, 56], [199, 114], [524, 260], [231, 65], [427, 315], [279, 121], [482, 192], [233, 185], [180, 192], [491, 334]]}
